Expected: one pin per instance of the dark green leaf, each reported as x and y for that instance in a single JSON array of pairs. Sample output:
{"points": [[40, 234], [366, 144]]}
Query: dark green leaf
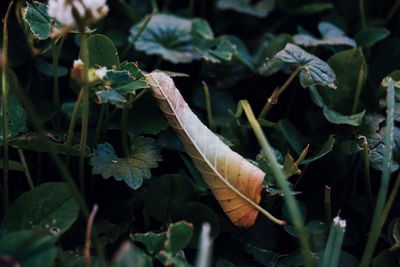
{"points": [[377, 153], [102, 52], [132, 68], [331, 35], [13, 165], [50, 207], [110, 96], [384, 258], [217, 50], [165, 193], [322, 151], [153, 242], [116, 77], [201, 30], [369, 36], [350, 69], [38, 20], [131, 256], [167, 36], [314, 72], [178, 237], [133, 169], [241, 51], [338, 118], [260, 8], [47, 69], [263, 256], [29, 248], [316, 227]]}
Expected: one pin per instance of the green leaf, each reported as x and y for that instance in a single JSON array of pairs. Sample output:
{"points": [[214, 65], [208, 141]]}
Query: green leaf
{"points": [[260, 8], [265, 257], [314, 72], [178, 237], [196, 213], [267, 63], [153, 242], [29, 248], [316, 227], [313, 8], [13, 165], [37, 19], [167, 36], [132, 68], [331, 35], [338, 118], [102, 52], [322, 151], [377, 153], [118, 77], [47, 69], [131, 87], [131, 256], [217, 50], [165, 193], [133, 169], [370, 36], [201, 30], [110, 96], [350, 69], [50, 207], [41, 143], [241, 51]]}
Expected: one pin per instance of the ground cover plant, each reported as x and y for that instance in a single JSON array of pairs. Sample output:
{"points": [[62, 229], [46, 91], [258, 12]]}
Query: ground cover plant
{"points": [[200, 133]]}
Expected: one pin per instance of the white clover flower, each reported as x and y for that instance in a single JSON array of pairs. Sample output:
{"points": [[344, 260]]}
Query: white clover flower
{"points": [[77, 63], [73, 12], [101, 72]]}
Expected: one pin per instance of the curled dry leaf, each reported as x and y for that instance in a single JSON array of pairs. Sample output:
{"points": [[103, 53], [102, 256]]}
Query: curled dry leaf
{"points": [[234, 181]]}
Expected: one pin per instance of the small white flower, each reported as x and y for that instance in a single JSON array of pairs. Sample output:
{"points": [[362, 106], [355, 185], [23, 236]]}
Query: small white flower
{"points": [[77, 63], [340, 222], [101, 72], [70, 12]]}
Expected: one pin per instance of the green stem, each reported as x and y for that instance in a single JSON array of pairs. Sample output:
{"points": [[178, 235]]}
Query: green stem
{"points": [[27, 172], [382, 194], [327, 203], [74, 116], [85, 113], [273, 99], [360, 84], [393, 11], [100, 124], [282, 182], [365, 155], [208, 106], [138, 33], [191, 6], [390, 201], [362, 14], [56, 91], [154, 5], [138, 96], [4, 90], [124, 130]]}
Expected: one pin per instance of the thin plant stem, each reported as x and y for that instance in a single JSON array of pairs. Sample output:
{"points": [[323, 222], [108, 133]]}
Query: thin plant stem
{"points": [[273, 99], [85, 113], [361, 7], [138, 96], [27, 172], [360, 84], [208, 106], [124, 130], [100, 124], [154, 5], [282, 182], [56, 92], [328, 205], [390, 201], [88, 239], [393, 11], [365, 156], [138, 33], [382, 194], [4, 90], [72, 123]]}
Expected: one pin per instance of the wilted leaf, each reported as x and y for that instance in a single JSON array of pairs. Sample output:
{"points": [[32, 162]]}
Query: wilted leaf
{"points": [[166, 192], [133, 169], [50, 207], [223, 170], [260, 8], [167, 36], [331, 35], [29, 248], [38, 20], [369, 36], [338, 118], [314, 70]]}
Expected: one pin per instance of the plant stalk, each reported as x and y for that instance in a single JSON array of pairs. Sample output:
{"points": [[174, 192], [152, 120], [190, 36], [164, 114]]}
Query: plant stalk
{"points": [[100, 124], [27, 172], [273, 99], [4, 90], [282, 182], [85, 113], [365, 155], [363, 18], [360, 84], [382, 194], [393, 11], [327, 203], [56, 91], [124, 130], [208, 106]]}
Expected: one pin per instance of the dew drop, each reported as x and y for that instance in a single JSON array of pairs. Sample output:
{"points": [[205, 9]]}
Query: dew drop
{"points": [[115, 161]]}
